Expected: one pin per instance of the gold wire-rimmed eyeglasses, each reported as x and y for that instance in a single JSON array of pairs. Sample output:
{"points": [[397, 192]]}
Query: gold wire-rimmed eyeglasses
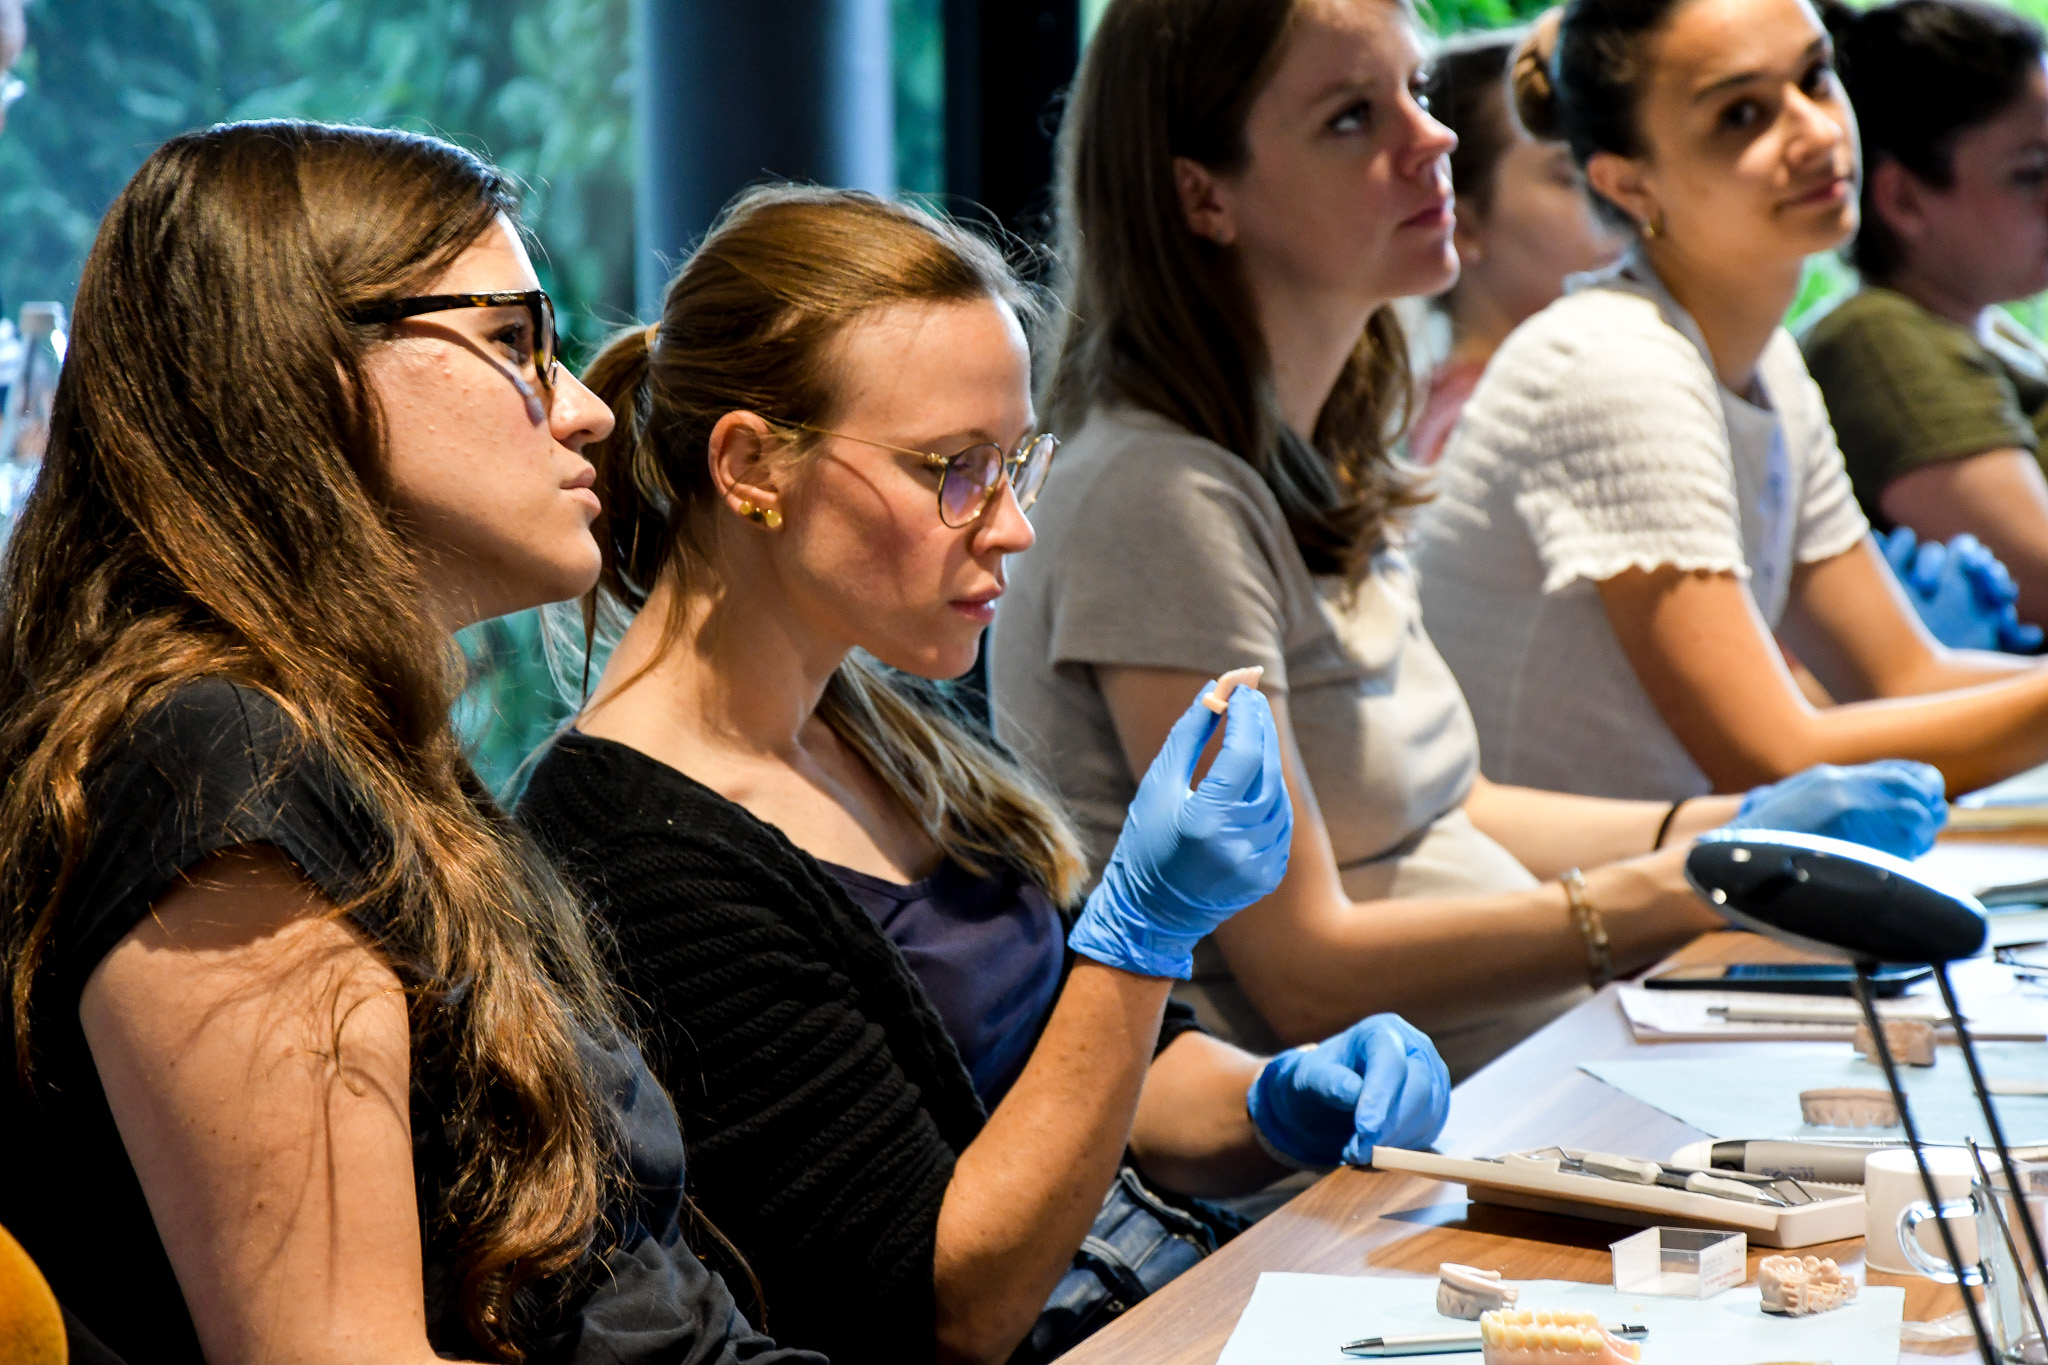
{"points": [[972, 477]]}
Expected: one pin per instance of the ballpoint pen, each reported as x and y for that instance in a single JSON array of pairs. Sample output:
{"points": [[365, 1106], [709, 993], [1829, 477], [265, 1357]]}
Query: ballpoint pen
{"points": [[1445, 1343]]}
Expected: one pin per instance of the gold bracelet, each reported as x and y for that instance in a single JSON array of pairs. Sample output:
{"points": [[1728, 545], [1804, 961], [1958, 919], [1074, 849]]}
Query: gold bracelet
{"points": [[1599, 958]]}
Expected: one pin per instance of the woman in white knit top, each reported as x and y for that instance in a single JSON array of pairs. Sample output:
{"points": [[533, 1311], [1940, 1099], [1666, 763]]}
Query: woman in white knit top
{"points": [[1239, 203], [1645, 486]]}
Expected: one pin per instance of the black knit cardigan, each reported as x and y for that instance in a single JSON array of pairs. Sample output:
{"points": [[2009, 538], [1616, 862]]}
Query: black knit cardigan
{"points": [[823, 1104]]}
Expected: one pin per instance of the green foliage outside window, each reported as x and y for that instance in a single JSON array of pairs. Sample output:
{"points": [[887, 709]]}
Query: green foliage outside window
{"points": [[541, 86]]}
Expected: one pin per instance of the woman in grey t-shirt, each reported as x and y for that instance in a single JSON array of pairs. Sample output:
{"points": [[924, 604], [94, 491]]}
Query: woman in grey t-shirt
{"points": [[1226, 497]]}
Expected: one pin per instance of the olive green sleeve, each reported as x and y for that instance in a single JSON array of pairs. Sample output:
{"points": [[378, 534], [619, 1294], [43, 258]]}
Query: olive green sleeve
{"points": [[1905, 388]]}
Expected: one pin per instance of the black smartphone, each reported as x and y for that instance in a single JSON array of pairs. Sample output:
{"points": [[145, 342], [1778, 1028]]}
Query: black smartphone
{"points": [[1785, 978]]}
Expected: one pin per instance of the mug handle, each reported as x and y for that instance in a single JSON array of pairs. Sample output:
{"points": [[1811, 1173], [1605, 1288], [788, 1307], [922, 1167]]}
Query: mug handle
{"points": [[1923, 1261]]}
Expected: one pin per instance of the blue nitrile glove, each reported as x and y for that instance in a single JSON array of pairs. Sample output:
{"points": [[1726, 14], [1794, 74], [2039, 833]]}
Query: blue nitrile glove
{"points": [[1965, 596], [1894, 805], [1188, 860], [1379, 1083]]}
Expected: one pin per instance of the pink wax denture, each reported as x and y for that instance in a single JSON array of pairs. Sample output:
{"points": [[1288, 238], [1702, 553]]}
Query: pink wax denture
{"points": [[1217, 698]]}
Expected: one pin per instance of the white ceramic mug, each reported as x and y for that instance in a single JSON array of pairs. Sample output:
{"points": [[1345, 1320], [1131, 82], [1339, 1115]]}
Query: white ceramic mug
{"points": [[1891, 1184]]}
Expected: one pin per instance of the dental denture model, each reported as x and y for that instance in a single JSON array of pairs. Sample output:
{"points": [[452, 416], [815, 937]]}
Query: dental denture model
{"points": [[1849, 1107], [1218, 697], [1520, 1337], [1464, 1291], [1911, 1041], [1797, 1285]]}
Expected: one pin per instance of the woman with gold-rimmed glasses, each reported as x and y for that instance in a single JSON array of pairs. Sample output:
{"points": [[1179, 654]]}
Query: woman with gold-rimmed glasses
{"points": [[908, 1084]]}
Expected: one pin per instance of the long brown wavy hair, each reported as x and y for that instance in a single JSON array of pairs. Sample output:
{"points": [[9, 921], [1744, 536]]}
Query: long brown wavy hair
{"points": [[747, 325], [1162, 318], [212, 506]]}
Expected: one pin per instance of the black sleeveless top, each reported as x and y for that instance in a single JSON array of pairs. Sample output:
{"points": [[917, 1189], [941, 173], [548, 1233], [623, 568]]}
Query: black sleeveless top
{"points": [[213, 768]]}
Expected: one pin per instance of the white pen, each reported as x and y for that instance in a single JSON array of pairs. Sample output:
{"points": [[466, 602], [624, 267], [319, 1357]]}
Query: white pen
{"points": [[1445, 1343]]}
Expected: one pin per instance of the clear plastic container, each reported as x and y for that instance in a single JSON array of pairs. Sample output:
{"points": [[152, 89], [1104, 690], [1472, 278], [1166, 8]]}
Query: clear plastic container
{"points": [[1680, 1263]]}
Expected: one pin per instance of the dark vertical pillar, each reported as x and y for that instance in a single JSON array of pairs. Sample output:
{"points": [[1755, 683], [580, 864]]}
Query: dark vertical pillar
{"points": [[736, 91], [1008, 65]]}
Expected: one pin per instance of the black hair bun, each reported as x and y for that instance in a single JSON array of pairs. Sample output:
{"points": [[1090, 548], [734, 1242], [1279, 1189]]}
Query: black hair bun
{"points": [[1531, 79]]}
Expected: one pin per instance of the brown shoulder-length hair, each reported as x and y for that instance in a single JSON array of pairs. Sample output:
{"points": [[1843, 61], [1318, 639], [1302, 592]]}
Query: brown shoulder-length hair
{"points": [[1162, 318], [212, 505], [748, 325]]}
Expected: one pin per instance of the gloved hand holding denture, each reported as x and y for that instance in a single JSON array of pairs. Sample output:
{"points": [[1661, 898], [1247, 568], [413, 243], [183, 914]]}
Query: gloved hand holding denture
{"points": [[1894, 806], [1379, 1083], [1188, 860]]}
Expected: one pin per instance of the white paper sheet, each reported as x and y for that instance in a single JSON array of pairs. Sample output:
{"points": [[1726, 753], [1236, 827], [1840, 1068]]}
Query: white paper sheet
{"points": [[1306, 1319], [2000, 875], [1974, 868], [1755, 1096]]}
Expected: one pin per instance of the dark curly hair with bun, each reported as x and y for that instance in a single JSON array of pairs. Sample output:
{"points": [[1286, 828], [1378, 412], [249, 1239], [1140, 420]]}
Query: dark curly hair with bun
{"points": [[1921, 73], [1587, 94]]}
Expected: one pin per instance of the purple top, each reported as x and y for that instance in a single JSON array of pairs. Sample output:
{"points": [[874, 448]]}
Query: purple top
{"points": [[988, 951]]}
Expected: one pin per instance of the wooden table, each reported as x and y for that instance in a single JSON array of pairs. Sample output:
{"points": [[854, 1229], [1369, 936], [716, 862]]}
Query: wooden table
{"points": [[1356, 1222]]}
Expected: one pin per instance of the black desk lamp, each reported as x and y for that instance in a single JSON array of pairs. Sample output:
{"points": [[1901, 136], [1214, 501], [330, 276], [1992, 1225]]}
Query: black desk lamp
{"points": [[1845, 899]]}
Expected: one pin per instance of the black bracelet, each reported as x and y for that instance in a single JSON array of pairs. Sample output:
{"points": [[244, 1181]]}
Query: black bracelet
{"points": [[1664, 829]]}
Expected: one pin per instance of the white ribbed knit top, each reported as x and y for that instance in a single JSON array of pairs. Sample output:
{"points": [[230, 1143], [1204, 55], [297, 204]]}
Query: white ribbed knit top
{"points": [[1600, 440]]}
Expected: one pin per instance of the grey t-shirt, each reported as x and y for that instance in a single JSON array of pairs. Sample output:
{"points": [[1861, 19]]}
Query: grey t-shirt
{"points": [[1159, 549]]}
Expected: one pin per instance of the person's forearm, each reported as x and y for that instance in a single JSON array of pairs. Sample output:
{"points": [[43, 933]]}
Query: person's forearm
{"points": [[1455, 960], [1947, 670], [1551, 831], [1708, 664], [1026, 1191], [1193, 1131], [1976, 736]]}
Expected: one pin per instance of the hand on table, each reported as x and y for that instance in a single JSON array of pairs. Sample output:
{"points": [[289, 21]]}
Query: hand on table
{"points": [[1379, 1083], [1894, 805], [1188, 860]]}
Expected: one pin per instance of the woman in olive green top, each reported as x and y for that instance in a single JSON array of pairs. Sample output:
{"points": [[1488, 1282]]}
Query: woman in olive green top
{"points": [[1940, 400]]}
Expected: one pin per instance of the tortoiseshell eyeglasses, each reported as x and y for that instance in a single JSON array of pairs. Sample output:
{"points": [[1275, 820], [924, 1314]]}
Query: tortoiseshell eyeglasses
{"points": [[543, 365]]}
